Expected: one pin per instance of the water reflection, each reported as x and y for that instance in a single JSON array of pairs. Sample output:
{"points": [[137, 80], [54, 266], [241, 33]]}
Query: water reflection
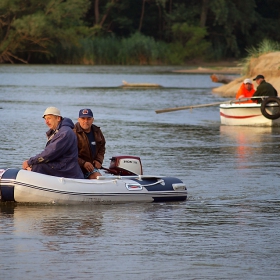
{"points": [[50, 223], [245, 141], [7, 209], [67, 225]]}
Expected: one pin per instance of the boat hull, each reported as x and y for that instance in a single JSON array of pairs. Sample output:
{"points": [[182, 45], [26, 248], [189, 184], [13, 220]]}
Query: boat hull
{"points": [[245, 114], [30, 187]]}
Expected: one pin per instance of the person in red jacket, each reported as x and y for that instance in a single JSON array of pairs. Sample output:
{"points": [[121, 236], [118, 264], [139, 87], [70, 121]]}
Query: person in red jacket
{"points": [[246, 90]]}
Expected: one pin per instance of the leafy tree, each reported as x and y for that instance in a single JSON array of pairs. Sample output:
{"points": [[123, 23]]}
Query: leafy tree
{"points": [[188, 43], [35, 26], [229, 23], [44, 30]]}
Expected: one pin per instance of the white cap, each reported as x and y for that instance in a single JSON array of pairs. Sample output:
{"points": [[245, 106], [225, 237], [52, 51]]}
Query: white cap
{"points": [[247, 81], [52, 111]]}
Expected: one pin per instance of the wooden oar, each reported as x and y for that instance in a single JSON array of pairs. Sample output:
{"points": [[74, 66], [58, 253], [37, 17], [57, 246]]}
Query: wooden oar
{"points": [[199, 105]]}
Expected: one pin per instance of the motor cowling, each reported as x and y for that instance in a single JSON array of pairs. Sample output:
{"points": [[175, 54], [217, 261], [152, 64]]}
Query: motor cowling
{"points": [[126, 165]]}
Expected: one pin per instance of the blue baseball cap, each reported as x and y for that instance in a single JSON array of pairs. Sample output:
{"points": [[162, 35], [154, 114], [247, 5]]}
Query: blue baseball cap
{"points": [[85, 113]]}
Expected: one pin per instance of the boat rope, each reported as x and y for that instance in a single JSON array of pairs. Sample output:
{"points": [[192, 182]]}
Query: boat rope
{"points": [[155, 183]]}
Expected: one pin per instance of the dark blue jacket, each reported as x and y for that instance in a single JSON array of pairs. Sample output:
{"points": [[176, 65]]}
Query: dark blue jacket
{"points": [[61, 152]]}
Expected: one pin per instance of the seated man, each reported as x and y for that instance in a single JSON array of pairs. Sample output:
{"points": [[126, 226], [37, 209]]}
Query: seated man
{"points": [[60, 156], [91, 144], [246, 90], [264, 88]]}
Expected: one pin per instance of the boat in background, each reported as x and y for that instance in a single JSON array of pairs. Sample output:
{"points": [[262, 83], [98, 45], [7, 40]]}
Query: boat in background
{"points": [[265, 113], [140, 85], [123, 182]]}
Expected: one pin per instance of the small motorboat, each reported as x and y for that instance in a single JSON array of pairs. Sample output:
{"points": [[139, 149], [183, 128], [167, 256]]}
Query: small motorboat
{"points": [[264, 113], [123, 182]]}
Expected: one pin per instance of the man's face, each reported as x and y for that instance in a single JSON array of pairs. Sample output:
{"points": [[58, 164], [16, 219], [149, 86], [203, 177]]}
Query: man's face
{"points": [[52, 121], [85, 123], [258, 81], [248, 86]]}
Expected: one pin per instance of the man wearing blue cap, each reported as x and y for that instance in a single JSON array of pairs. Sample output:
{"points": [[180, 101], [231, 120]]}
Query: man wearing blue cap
{"points": [[91, 144]]}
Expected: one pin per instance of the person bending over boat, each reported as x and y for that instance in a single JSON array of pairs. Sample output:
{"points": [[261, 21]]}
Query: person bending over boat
{"points": [[246, 90], [60, 156], [91, 144], [264, 88]]}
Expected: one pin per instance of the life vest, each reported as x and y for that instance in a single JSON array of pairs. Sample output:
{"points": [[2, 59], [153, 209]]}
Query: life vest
{"points": [[245, 93]]}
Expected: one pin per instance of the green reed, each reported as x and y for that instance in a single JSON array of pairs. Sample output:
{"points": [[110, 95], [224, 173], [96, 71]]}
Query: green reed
{"points": [[266, 46], [135, 50]]}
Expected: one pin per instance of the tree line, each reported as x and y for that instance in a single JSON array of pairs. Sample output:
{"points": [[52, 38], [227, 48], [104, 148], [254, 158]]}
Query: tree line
{"points": [[133, 31]]}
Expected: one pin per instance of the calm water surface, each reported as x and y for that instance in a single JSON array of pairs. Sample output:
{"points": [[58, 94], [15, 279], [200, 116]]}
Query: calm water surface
{"points": [[228, 228]]}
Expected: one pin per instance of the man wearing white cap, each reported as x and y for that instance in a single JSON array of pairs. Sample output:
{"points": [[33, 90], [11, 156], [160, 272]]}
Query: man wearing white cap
{"points": [[60, 156], [246, 90]]}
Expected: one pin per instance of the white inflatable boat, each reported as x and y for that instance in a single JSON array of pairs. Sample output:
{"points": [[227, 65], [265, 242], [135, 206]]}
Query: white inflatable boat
{"points": [[123, 182]]}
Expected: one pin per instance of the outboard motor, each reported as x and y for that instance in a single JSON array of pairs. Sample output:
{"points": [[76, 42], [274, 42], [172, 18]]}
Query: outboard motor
{"points": [[125, 166]]}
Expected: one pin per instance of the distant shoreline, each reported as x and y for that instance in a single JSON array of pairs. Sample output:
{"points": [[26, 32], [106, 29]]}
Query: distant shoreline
{"points": [[216, 70]]}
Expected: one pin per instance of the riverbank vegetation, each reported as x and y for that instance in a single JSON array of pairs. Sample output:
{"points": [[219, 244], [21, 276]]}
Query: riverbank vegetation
{"points": [[266, 46], [138, 32]]}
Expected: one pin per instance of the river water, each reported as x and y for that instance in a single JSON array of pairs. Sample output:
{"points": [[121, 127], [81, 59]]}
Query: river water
{"points": [[229, 227]]}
